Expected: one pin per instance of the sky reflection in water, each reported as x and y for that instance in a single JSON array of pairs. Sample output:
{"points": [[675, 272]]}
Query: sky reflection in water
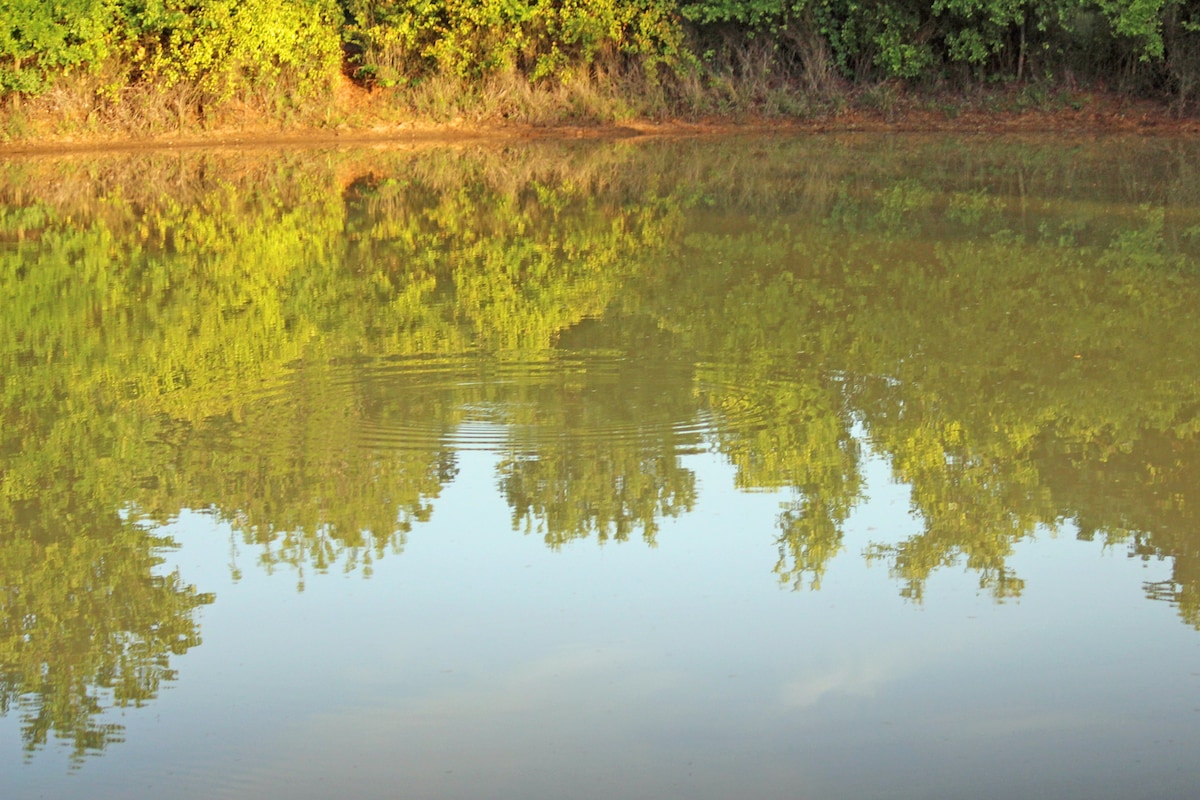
{"points": [[573, 471]]}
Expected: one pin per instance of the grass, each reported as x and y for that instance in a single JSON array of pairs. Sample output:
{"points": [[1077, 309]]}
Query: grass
{"points": [[733, 83]]}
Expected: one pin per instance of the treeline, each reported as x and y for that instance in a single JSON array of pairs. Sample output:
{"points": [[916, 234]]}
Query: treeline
{"points": [[660, 55]]}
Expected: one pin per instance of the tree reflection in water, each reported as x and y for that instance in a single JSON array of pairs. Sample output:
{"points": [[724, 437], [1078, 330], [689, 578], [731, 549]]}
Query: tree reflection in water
{"points": [[301, 343]]}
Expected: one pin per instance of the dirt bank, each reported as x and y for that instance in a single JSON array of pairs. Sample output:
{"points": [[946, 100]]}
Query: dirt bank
{"points": [[1080, 114]]}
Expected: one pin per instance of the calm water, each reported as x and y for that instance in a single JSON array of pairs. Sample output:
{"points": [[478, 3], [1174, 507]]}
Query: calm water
{"points": [[758, 468]]}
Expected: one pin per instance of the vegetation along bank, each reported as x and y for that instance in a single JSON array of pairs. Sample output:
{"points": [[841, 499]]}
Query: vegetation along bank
{"points": [[90, 68]]}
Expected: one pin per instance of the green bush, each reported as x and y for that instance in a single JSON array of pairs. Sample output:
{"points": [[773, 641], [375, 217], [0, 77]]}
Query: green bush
{"points": [[223, 45], [279, 49], [401, 41], [39, 39], [879, 39]]}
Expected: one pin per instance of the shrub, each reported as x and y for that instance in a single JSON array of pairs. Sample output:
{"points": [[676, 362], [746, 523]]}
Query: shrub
{"points": [[400, 41], [224, 45], [39, 39]]}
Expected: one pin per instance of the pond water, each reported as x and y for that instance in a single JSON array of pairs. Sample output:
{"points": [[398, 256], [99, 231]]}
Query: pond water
{"points": [[848, 467]]}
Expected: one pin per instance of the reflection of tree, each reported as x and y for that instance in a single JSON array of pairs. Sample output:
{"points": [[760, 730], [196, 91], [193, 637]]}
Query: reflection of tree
{"points": [[596, 489], [795, 434], [194, 295], [965, 361], [1140, 493], [86, 623], [596, 446], [245, 341], [973, 483], [296, 473], [810, 535], [1024, 350], [779, 406]]}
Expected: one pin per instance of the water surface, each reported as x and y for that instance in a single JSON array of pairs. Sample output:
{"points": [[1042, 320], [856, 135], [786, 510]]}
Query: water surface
{"points": [[804, 468]]}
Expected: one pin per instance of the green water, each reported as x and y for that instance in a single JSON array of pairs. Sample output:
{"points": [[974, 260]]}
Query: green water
{"points": [[771, 468]]}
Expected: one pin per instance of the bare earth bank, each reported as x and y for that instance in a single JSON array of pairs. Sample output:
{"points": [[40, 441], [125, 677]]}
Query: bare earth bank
{"points": [[1089, 114]]}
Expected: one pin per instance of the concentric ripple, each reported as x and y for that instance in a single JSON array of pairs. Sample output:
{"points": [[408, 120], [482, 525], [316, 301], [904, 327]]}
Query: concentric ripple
{"points": [[517, 405]]}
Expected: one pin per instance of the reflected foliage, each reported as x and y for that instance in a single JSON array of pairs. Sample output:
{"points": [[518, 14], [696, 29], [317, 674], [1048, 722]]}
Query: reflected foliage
{"points": [[88, 619], [87, 622], [596, 451], [301, 344]]}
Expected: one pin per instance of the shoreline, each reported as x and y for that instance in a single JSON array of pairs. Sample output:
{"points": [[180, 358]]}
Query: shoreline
{"points": [[1096, 116]]}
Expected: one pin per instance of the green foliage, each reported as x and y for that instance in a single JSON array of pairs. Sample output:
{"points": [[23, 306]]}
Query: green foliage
{"points": [[40, 39], [403, 41], [999, 38], [224, 45], [227, 49], [1139, 21]]}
